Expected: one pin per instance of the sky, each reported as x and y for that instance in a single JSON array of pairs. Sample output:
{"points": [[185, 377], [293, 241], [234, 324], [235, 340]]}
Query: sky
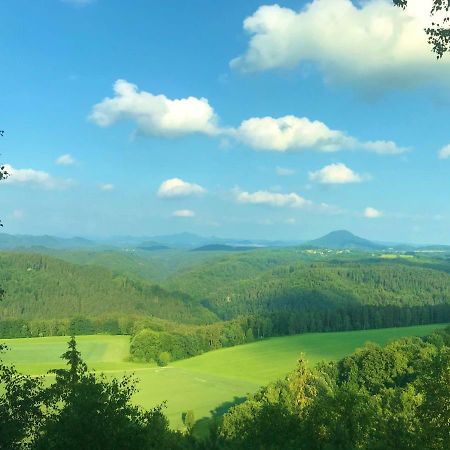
{"points": [[229, 118]]}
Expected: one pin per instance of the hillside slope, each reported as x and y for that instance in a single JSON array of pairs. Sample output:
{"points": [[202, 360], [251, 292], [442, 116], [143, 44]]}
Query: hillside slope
{"points": [[229, 292], [43, 287]]}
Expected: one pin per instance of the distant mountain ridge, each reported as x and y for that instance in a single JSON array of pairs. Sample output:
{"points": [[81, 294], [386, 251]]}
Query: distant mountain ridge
{"points": [[224, 248], [9, 241], [343, 239], [339, 239]]}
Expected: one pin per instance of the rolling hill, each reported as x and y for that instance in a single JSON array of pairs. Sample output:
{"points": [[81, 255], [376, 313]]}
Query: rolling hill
{"points": [[255, 283], [43, 287], [9, 241], [223, 248]]}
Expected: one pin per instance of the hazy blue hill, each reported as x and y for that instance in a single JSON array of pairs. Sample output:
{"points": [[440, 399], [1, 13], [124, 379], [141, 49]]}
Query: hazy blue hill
{"points": [[223, 248], [191, 241], [8, 241], [343, 239], [184, 240], [434, 248], [152, 246]]}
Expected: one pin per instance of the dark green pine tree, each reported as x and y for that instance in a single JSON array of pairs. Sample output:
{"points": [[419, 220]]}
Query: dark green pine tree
{"points": [[87, 411]]}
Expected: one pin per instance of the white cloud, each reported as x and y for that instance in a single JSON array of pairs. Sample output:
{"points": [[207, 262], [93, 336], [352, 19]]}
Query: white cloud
{"points": [[65, 160], [444, 152], [373, 44], [155, 115], [284, 171], [372, 213], [292, 200], [106, 187], [35, 178], [335, 174], [183, 213], [177, 188], [291, 133]]}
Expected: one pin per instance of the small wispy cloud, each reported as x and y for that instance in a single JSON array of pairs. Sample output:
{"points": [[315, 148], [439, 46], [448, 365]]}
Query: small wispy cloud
{"points": [[183, 213], [284, 171], [35, 178], [444, 152], [291, 200], [106, 187], [65, 160]]}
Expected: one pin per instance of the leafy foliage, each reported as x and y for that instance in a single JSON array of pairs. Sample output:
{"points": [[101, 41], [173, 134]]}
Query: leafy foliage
{"points": [[396, 397], [79, 410], [20, 406]]}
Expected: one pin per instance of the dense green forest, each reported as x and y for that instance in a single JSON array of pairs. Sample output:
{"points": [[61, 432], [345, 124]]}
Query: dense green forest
{"points": [[379, 398], [396, 397], [42, 287], [223, 301], [329, 285]]}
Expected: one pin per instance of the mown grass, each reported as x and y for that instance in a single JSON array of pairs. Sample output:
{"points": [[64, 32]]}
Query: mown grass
{"points": [[206, 382]]}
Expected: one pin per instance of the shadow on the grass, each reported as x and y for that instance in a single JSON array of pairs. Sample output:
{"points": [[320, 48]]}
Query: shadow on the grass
{"points": [[202, 426]]}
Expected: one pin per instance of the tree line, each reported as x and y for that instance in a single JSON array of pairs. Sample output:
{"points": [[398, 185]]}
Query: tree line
{"points": [[153, 344]]}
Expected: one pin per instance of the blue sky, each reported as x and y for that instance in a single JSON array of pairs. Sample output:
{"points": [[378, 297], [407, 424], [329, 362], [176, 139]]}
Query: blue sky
{"points": [[145, 118]]}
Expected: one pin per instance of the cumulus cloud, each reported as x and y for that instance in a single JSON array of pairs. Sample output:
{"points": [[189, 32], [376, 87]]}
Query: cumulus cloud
{"points": [[291, 133], [335, 174], [291, 200], [35, 178], [155, 115], [106, 187], [372, 213], [177, 188], [444, 152], [284, 171], [183, 213], [65, 160], [370, 44]]}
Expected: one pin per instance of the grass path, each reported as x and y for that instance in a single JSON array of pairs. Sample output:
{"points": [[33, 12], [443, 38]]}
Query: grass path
{"points": [[205, 382]]}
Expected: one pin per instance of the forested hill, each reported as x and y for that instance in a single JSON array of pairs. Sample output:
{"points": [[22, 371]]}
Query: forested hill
{"points": [[43, 287], [265, 292], [304, 285]]}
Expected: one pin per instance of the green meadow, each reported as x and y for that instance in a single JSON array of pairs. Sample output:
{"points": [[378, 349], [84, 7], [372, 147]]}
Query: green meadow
{"points": [[208, 382]]}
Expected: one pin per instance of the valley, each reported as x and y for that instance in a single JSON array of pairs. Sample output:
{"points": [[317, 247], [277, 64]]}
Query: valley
{"points": [[209, 382]]}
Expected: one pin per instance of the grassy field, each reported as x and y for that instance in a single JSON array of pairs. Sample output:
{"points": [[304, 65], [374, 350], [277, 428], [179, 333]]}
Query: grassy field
{"points": [[206, 382]]}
